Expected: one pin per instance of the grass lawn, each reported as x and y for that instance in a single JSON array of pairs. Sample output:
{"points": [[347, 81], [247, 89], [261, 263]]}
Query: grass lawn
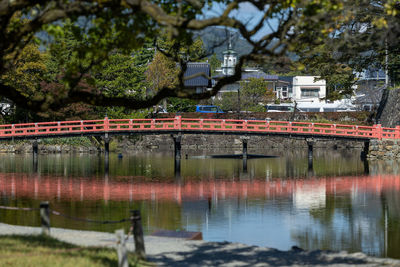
{"points": [[36, 250]]}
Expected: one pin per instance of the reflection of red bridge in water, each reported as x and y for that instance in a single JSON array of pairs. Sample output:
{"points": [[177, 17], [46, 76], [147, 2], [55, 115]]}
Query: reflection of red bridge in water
{"points": [[48, 188]]}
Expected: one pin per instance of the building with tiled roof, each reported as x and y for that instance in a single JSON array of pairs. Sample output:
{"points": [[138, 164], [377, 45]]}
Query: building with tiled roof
{"points": [[228, 68], [296, 88], [197, 76]]}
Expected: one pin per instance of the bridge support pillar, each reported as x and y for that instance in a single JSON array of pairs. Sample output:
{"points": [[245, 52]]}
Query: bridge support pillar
{"points": [[245, 156], [244, 140], [35, 150], [310, 145], [106, 152], [244, 164], [177, 154], [364, 158], [365, 151]]}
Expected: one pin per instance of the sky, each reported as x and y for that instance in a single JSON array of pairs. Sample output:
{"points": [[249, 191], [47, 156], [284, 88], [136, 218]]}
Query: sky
{"points": [[247, 13]]}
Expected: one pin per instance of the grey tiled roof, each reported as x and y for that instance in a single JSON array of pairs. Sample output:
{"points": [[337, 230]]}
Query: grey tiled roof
{"points": [[253, 74], [198, 81], [288, 79], [258, 74]]}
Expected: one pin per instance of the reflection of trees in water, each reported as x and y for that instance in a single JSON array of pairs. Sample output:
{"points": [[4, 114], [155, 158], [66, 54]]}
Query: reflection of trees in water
{"points": [[291, 163], [349, 221], [156, 214], [390, 222], [389, 166]]}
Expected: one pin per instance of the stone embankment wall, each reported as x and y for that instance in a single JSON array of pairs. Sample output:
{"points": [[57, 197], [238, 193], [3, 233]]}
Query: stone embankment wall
{"points": [[26, 147], [378, 149], [390, 116], [206, 142], [384, 149]]}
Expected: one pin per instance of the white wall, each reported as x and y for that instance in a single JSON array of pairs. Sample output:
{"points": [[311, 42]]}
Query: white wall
{"points": [[309, 87]]}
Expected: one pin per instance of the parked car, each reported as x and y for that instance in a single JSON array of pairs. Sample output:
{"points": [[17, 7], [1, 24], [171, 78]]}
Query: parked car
{"points": [[208, 109]]}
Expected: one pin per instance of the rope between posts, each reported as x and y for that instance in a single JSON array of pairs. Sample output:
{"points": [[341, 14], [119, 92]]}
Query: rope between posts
{"points": [[135, 219], [18, 208], [88, 220]]}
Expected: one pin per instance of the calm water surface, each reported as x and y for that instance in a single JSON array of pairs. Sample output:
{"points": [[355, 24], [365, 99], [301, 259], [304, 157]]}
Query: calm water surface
{"points": [[340, 204]]}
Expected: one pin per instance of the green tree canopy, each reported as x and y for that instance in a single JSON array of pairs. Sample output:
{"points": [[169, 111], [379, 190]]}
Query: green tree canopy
{"points": [[101, 27]]}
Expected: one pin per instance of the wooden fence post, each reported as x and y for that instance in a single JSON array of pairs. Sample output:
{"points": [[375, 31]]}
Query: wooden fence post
{"points": [[138, 234], [121, 248], [45, 217]]}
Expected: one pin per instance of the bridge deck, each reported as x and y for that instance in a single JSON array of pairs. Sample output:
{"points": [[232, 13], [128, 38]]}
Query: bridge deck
{"points": [[186, 125]]}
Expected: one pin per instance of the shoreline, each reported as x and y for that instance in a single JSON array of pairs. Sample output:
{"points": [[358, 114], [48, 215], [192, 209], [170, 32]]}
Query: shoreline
{"points": [[165, 251]]}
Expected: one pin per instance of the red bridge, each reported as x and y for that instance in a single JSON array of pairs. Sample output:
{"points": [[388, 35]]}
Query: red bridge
{"points": [[186, 125]]}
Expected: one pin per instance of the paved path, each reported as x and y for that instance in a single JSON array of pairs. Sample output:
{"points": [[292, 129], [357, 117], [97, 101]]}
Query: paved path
{"points": [[176, 252]]}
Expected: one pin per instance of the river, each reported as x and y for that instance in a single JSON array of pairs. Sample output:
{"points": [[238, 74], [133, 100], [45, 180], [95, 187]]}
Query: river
{"points": [[342, 203]]}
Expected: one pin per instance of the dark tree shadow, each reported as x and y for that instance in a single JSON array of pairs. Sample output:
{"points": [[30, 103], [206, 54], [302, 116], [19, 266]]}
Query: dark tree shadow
{"points": [[228, 254]]}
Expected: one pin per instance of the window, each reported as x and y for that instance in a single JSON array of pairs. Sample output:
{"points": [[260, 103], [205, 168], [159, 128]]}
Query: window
{"points": [[278, 108], [309, 92], [311, 109], [213, 109]]}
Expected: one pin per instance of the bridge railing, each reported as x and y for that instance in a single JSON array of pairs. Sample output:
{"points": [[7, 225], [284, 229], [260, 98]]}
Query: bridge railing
{"points": [[289, 127], [178, 123]]}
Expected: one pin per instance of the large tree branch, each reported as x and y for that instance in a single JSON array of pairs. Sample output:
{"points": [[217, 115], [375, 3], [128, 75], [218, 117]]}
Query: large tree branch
{"points": [[52, 11]]}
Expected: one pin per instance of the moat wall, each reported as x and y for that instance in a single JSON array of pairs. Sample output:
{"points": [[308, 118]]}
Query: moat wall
{"points": [[205, 142], [384, 149], [378, 149]]}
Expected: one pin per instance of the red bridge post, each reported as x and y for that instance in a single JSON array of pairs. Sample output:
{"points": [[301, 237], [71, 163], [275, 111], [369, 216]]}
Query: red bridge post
{"points": [[178, 122], [106, 145], [106, 152]]}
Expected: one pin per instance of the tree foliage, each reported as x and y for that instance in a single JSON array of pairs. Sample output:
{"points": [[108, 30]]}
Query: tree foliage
{"points": [[101, 28], [215, 64], [367, 36], [252, 96], [162, 72], [254, 92]]}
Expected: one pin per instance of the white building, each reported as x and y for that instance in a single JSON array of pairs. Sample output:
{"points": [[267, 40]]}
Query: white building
{"points": [[228, 68], [308, 89], [297, 88], [230, 60]]}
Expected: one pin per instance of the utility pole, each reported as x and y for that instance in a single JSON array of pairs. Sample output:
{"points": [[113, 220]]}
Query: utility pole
{"points": [[386, 64]]}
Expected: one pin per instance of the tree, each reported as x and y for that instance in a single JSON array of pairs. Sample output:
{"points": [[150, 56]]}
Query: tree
{"points": [[26, 74], [162, 72], [181, 105], [254, 92], [104, 26], [123, 76], [227, 101], [252, 96], [215, 64], [366, 37]]}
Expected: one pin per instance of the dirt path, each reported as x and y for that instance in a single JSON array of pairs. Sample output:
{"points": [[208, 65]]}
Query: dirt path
{"points": [[177, 252]]}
